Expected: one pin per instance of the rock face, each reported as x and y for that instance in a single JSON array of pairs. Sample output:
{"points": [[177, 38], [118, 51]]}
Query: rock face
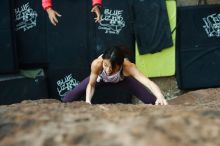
{"points": [[192, 119]]}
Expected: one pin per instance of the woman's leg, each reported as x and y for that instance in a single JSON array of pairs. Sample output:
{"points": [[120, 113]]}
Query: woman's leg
{"points": [[78, 91], [138, 89]]}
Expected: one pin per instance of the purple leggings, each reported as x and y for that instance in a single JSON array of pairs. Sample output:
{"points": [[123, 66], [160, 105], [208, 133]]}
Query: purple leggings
{"points": [[129, 83]]}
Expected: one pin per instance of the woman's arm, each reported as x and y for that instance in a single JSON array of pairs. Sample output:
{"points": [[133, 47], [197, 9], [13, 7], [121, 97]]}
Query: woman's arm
{"points": [[95, 69], [132, 70], [91, 87]]}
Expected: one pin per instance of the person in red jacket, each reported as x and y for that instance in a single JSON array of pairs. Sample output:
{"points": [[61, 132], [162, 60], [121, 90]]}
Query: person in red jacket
{"points": [[52, 14]]}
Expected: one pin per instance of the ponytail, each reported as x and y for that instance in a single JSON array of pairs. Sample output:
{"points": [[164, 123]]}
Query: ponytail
{"points": [[124, 49]]}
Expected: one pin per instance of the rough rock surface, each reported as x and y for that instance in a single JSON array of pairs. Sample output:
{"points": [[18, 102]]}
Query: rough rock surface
{"points": [[192, 119]]}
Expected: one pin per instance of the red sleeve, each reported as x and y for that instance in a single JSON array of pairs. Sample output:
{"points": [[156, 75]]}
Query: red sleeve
{"points": [[96, 2], [46, 4]]}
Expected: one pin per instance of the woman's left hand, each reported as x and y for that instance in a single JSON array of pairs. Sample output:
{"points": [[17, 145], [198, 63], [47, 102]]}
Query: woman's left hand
{"points": [[96, 10], [161, 101]]}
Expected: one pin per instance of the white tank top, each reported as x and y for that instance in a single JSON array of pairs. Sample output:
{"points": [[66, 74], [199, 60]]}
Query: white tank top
{"points": [[115, 78]]}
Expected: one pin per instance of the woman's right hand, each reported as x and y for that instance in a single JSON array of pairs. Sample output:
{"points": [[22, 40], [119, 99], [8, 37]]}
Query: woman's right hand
{"points": [[52, 14]]}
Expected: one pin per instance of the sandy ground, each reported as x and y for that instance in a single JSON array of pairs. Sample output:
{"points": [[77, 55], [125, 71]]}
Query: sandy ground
{"points": [[191, 119]]}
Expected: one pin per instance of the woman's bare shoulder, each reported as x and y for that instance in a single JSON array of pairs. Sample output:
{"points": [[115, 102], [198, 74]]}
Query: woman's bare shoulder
{"points": [[97, 64], [128, 66]]}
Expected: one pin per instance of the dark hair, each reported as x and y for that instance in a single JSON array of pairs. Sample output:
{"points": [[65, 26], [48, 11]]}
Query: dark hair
{"points": [[116, 55]]}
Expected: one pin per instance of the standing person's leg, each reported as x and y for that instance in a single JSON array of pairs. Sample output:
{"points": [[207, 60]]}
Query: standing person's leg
{"points": [[139, 90]]}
